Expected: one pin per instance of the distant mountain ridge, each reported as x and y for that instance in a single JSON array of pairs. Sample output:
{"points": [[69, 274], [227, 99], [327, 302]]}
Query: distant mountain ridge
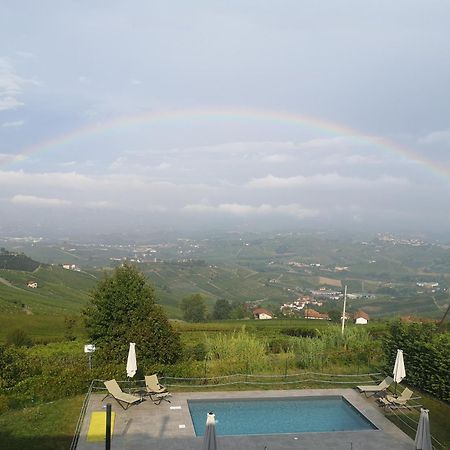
{"points": [[17, 261]]}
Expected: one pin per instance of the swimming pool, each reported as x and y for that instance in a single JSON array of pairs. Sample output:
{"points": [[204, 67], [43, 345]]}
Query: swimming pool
{"points": [[278, 415]]}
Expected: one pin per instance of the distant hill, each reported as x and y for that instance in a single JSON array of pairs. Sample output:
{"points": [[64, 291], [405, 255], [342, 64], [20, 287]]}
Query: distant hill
{"points": [[58, 291], [17, 261], [265, 269]]}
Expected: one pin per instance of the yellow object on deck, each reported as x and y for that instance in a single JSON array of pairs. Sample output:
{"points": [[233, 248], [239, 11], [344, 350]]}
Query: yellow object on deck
{"points": [[97, 426]]}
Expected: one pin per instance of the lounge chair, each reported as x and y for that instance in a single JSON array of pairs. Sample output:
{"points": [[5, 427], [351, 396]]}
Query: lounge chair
{"points": [[153, 386], [116, 392], [396, 402], [373, 389], [157, 392]]}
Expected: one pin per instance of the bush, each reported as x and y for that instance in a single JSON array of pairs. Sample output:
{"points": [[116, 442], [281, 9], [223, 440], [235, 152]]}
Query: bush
{"points": [[4, 403], [279, 344], [19, 338], [301, 332], [196, 352], [14, 366], [426, 354]]}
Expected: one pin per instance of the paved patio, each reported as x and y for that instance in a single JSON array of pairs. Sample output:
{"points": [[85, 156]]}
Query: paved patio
{"points": [[168, 426]]}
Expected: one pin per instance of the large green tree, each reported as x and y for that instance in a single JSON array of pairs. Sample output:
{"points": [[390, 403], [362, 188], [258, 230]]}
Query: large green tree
{"points": [[122, 309], [194, 308], [222, 309]]}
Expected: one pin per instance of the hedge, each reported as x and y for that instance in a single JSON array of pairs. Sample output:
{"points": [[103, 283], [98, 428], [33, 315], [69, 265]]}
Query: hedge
{"points": [[426, 354]]}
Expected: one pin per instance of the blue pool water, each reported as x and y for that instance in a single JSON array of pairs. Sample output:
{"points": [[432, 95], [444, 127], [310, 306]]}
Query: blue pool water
{"points": [[278, 415]]}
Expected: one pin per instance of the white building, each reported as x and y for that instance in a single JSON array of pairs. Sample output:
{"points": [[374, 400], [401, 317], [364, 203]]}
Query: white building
{"points": [[361, 318]]}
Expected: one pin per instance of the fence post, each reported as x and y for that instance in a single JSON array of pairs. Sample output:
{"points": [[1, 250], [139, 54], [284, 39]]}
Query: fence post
{"points": [[108, 427], [246, 372]]}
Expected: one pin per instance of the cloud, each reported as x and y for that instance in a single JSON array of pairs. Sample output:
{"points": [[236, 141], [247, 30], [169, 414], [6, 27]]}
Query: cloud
{"points": [[84, 80], [26, 55], [331, 180], [32, 200], [8, 102], [276, 158], [246, 210], [11, 86], [436, 137], [13, 124], [102, 204]]}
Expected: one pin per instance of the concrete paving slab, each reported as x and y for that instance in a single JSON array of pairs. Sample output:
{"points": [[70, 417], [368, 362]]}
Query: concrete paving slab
{"points": [[168, 426]]}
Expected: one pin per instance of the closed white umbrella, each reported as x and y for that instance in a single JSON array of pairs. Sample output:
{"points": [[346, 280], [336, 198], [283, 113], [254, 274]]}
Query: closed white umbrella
{"points": [[209, 438], [131, 361], [423, 435], [399, 369]]}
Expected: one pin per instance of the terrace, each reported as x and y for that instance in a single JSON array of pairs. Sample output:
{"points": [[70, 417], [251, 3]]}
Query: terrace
{"points": [[169, 425]]}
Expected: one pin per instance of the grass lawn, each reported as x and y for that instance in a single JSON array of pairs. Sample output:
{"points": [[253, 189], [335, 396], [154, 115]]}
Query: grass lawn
{"points": [[439, 415], [43, 427]]}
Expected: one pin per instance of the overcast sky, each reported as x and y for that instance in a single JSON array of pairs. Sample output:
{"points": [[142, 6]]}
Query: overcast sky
{"points": [[379, 67]]}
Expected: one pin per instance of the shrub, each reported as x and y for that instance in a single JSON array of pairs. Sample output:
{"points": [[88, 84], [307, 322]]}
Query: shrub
{"points": [[426, 354], [301, 332], [4, 403], [19, 338], [196, 352], [279, 344], [14, 366]]}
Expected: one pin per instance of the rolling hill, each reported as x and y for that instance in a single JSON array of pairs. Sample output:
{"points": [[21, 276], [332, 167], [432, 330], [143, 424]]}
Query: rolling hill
{"points": [[59, 291]]}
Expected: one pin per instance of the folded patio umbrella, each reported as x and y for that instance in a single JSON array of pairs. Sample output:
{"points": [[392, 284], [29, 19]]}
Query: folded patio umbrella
{"points": [[131, 362], [209, 438], [399, 369], [423, 436]]}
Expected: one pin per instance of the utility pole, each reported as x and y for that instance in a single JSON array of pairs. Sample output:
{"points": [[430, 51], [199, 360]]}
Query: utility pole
{"points": [[441, 323], [343, 309]]}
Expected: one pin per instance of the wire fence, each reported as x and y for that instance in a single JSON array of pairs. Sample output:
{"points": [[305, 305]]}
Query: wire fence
{"points": [[412, 424], [265, 380]]}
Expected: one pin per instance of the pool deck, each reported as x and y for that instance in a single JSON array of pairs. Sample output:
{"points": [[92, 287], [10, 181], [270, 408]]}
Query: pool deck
{"points": [[168, 426]]}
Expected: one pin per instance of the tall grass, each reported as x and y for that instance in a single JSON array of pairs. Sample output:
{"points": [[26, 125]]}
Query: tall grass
{"points": [[238, 352]]}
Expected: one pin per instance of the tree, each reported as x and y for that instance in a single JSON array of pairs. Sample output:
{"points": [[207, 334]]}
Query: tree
{"points": [[238, 310], [69, 324], [335, 315], [222, 309], [122, 309], [194, 308]]}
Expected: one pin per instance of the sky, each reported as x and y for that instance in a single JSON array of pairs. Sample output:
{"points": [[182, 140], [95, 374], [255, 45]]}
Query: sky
{"points": [[135, 115]]}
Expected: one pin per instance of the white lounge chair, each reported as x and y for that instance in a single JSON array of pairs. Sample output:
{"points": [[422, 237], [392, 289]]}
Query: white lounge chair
{"points": [[396, 402], [120, 396], [373, 389], [157, 392]]}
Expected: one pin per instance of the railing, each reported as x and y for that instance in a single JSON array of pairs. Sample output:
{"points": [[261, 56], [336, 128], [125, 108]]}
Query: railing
{"points": [[268, 380], [401, 416], [76, 435]]}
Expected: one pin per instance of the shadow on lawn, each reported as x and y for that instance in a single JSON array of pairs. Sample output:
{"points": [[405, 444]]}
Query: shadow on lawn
{"points": [[11, 442]]}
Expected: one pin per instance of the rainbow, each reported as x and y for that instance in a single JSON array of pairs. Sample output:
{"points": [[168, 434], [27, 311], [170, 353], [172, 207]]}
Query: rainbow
{"points": [[235, 113]]}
